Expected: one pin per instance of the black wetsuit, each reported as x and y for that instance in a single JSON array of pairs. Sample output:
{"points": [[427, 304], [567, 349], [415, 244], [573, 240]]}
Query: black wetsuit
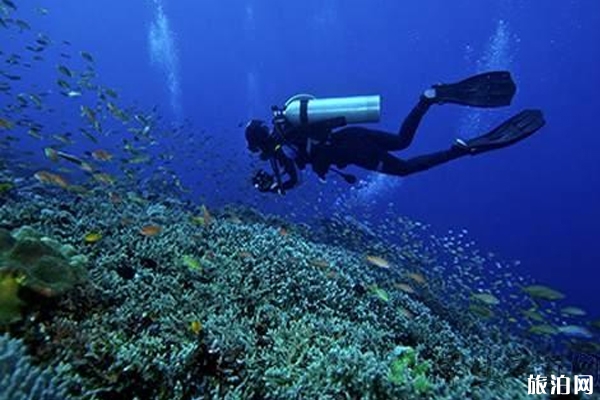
{"points": [[321, 146]]}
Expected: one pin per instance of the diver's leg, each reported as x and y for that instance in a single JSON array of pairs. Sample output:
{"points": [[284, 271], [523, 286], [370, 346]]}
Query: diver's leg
{"points": [[388, 164], [490, 89], [409, 126], [511, 131]]}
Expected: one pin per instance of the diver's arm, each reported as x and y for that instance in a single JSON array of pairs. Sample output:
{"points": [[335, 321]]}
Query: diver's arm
{"points": [[289, 168], [275, 167], [274, 183]]}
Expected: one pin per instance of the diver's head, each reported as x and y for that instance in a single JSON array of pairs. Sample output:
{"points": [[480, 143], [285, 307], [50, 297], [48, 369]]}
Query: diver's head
{"points": [[257, 135]]}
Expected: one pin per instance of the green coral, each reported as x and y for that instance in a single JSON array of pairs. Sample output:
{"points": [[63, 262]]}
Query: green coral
{"points": [[192, 263], [10, 304], [25, 232], [6, 240], [405, 368], [40, 264], [6, 187], [379, 293]]}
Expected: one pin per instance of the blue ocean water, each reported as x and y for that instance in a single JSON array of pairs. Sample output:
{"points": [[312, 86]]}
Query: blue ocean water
{"points": [[216, 64]]}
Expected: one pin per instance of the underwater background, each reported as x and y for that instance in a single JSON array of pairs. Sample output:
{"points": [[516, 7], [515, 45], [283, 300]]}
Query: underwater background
{"points": [[147, 101], [221, 64]]}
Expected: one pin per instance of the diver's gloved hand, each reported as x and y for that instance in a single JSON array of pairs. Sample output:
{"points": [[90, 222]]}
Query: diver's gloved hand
{"points": [[262, 180], [265, 182]]}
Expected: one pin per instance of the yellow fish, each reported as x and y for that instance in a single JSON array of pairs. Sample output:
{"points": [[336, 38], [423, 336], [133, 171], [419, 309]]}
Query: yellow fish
{"points": [[196, 327], [92, 237], [404, 287], [417, 277], [378, 262], [486, 298], [5, 124], [191, 262]]}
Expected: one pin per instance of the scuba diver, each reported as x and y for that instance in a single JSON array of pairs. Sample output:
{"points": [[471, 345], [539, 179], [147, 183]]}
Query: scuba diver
{"points": [[305, 131]]}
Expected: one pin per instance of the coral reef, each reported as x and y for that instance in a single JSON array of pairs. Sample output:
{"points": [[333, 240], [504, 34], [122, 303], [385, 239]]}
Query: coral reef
{"points": [[33, 263], [21, 380], [240, 308]]}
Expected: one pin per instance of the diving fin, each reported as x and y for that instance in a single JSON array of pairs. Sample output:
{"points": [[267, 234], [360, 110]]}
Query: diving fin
{"points": [[511, 131], [490, 89]]}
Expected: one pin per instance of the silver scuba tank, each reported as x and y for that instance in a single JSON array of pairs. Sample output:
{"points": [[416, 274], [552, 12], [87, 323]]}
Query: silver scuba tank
{"points": [[304, 109]]}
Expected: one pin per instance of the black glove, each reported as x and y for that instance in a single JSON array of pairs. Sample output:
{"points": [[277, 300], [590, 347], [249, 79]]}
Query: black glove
{"points": [[263, 181]]}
